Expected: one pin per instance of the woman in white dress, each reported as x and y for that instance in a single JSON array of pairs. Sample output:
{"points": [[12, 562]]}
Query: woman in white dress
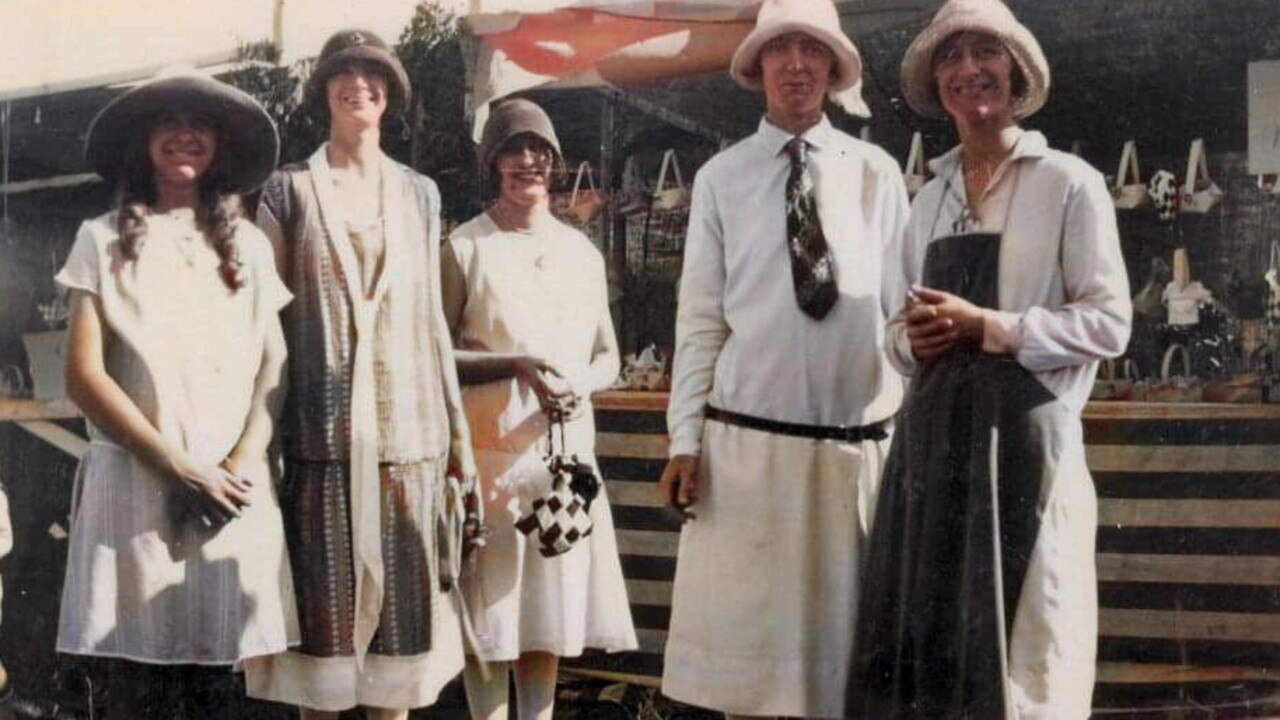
{"points": [[177, 556], [980, 595], [527, 304]]}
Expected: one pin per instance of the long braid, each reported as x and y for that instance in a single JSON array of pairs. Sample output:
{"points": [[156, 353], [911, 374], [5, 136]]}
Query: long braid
{"points": [[218, 215], [131, 224], [135, 195]]}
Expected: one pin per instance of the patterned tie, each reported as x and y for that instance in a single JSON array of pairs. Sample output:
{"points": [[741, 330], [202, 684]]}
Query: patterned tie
{"points": [[813, 268]]}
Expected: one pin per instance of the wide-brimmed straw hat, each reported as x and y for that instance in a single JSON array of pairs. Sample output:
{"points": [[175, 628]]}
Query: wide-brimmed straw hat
{"points": [[248, 145], [990, 17], [816, 18], [511, 118], [345, 46]]}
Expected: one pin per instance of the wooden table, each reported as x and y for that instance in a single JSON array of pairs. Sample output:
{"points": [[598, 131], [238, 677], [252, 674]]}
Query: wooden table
{"points": [[36, 416]]}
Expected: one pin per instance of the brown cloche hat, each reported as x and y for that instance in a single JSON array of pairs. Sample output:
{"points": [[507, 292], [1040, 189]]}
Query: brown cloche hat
{"points": [[354, 44], [248, 146], [509, 119]]}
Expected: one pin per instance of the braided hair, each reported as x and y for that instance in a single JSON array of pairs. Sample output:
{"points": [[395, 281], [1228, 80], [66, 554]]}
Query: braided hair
{"points": [[217, 211]]}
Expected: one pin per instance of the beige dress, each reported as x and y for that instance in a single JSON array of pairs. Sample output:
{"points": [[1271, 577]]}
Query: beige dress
{"points": [[541, 294], [146, 581]]}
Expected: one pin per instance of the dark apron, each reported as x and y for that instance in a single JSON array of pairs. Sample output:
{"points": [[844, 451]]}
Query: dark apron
{"points": [[958, 515]]}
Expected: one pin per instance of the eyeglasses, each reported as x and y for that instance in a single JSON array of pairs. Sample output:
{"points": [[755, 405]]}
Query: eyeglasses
{"points": [[517, 147], [979, 50]]}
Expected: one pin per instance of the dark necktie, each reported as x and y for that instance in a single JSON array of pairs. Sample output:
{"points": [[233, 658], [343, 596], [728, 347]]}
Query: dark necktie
{"points": [[813, 267]]}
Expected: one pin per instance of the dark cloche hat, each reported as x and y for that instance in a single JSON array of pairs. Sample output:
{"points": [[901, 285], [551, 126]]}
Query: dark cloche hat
{"points": [[346, 45]]}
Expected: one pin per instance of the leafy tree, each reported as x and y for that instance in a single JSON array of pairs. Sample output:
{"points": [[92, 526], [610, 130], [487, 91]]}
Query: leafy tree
{"points": [[434, 135], [280, 89], [431, 50]]}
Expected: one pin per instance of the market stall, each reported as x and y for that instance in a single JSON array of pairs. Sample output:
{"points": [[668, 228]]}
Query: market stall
{"points": [[1184, 433], [1184, 430]]}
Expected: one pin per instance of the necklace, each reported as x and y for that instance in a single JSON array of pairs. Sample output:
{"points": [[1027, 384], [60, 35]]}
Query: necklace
{"points": [[537, 245], [368, 237], [183, 233], [505, 222]]}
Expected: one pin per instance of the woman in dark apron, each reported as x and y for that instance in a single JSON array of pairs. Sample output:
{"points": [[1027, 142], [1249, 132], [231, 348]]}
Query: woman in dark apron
{"points": [[981, 600]]}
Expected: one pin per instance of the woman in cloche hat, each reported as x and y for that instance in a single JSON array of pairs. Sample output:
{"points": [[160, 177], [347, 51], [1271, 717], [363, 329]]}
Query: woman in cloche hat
{"points": [[176, 560], [981, 597], [374, 437], [526, 299]]}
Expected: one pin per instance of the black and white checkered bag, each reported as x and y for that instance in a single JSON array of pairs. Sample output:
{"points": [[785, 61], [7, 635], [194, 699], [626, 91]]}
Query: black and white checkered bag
{"points": [[561, 518]]}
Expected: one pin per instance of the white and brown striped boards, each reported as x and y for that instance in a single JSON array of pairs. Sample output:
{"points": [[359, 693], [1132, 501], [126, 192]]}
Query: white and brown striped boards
{"points": [[1188, 549]]}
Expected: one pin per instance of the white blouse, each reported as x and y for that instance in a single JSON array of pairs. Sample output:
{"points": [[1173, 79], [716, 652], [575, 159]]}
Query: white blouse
{"points": [[1064, 291], [742, 342]]}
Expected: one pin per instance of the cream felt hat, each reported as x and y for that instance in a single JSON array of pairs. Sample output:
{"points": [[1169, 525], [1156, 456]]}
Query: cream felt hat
{"points": [[817, 18], [991, 17]]}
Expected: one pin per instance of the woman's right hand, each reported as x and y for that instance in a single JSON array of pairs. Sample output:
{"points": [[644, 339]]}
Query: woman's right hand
{"points": [[938, 321], [556, 396], [217, 493], [678, 486]]}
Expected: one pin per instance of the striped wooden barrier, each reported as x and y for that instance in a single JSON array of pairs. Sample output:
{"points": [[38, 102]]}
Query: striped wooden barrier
{"points": [[1188, 550]]}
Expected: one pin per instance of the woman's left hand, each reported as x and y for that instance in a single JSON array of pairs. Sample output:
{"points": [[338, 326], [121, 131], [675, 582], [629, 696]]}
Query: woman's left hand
{"points": [[561, 401], [938, 321]]}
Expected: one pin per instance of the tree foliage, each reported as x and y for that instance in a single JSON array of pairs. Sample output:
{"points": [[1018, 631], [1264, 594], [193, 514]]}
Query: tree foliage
{"points": [[434, 135], [431, 50]]}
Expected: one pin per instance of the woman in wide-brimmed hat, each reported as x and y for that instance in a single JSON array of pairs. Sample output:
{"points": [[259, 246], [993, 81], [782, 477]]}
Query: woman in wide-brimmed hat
{"points": [[373, 429], [980, 598], [525, 296], [176, 556]]}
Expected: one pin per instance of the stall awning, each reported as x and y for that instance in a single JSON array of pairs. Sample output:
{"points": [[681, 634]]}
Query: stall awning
{"points": [[522, 44]]}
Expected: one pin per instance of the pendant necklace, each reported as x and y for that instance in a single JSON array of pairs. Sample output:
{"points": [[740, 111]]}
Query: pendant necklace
{"points": [[182, 234], [505, 224]]}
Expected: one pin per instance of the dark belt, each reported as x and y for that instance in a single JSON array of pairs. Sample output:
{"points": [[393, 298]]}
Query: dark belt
{"points": [[856, 433]]}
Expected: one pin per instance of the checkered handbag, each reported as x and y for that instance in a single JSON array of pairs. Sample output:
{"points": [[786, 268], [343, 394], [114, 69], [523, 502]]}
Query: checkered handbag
{"points": [[561, 518]]}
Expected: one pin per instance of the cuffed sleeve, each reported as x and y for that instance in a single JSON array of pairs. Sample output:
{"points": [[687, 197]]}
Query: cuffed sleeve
{"points": [[83, 268], [701, 328], [895, 276], [1094, 322], [1000, 335]]}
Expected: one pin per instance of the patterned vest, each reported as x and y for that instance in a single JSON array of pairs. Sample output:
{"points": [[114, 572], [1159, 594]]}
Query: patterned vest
{"points": [[413, 422]]}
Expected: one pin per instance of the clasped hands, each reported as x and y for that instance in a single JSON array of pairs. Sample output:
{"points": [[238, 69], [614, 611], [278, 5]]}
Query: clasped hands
{"points": [[217, 494], [938, 321]]}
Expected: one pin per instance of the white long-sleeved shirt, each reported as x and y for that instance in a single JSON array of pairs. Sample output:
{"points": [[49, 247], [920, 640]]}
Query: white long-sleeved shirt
{"points": [[742, 342], [1064, 292]]}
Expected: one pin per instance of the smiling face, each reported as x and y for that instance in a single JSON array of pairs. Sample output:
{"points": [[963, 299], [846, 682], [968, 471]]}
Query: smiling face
{"points": [[974, 73], [524, 166], [181, 146], [357, 96], [795, 70]]}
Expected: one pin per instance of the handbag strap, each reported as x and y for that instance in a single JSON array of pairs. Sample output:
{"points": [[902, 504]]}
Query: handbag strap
{"points": [[1197, 166], [1168, 361], [551, 439], [1128, 165], [915, 156], [584, 169], [669, 161]]}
